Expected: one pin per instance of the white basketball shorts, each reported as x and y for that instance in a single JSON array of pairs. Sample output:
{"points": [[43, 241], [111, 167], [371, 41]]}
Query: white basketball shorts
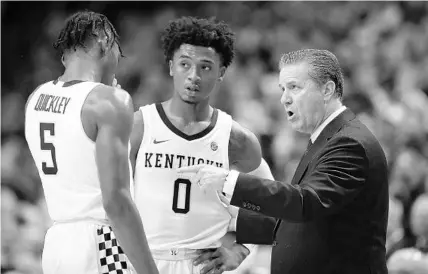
{"points": [[83, 247]]}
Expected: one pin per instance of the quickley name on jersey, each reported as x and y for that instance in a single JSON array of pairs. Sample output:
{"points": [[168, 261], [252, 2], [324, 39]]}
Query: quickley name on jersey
{"points": [[51, 103], [161, 160]]}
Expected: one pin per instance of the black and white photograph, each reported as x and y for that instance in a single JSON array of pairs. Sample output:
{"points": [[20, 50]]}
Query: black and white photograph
{"points": [[210, 137]]}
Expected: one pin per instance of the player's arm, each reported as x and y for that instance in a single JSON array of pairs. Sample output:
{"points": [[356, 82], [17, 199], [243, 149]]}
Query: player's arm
{"points": [[250, 226], [262, 171], [114, 118], [245, 153], [232, 254], [256, 230], [136, 137], [244, 156]]}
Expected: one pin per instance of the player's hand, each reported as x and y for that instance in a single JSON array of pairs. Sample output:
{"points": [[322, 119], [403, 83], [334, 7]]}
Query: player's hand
{"points": [[222, 259], [206, 176]]}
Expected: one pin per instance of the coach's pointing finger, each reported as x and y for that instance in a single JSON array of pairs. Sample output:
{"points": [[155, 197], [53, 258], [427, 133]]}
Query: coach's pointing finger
{"points": [[190, 172]]}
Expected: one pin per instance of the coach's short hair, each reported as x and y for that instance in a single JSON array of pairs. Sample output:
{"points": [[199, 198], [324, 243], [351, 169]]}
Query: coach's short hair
{"points": [[199, 32], [324, 66], [83, 26]]}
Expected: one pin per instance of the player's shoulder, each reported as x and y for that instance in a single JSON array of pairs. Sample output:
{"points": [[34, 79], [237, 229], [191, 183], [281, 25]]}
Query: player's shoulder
{"points": [[244, 147], [242, 135], [107, 94], [107, 101]]}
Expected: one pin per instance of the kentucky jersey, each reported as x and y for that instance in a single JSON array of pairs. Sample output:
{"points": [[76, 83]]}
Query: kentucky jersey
{"points": [[175, 213], [63, 153]]}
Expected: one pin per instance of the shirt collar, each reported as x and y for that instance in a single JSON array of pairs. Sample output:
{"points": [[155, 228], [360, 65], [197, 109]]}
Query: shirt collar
{"points": [[330, 118]]}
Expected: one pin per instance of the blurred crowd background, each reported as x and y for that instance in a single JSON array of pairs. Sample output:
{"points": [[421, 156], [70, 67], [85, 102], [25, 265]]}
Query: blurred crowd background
{"points": [[382, 48]]}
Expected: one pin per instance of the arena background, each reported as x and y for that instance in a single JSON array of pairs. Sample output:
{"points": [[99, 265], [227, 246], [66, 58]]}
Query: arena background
{"points": [[382, 47]]}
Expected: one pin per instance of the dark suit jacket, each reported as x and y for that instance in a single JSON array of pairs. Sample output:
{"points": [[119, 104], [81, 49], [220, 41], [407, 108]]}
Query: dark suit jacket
{"points": [[332, 217]]}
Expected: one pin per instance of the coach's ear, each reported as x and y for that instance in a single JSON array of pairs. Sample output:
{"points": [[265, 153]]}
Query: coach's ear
{"points": [[328, 90]]}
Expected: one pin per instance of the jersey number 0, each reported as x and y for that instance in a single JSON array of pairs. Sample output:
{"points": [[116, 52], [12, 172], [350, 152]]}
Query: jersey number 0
{"points": [[187, 184], [50, 127]]}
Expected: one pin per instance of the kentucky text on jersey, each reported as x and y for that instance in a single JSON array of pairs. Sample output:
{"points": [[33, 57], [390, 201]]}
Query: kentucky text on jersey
{"points": [[50, 103], [161, 160]]}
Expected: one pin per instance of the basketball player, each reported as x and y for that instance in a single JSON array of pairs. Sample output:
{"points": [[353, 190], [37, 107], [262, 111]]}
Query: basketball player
{"points": [[78, 129], [183, 131]]}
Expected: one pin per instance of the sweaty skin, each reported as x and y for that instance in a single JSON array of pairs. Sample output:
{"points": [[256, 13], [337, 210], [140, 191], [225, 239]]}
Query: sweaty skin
{"points": [[107, 120]]}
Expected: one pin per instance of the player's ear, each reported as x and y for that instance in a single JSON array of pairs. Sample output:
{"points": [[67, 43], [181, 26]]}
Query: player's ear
{"points": [[171, 73], [222, 73], [63, 60], [102, 44]]}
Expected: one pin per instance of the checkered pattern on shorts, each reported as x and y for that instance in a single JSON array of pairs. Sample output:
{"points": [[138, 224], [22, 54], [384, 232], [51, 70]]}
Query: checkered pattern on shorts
{"points": [[112, 258]]}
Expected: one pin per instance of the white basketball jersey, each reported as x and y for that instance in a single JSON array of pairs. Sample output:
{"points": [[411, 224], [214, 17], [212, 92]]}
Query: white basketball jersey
{"points": [[175, 213], [63, 153]]}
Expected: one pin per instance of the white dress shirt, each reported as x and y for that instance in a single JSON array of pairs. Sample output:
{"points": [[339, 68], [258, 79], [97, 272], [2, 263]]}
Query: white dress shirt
{"points": [[327, 121]]}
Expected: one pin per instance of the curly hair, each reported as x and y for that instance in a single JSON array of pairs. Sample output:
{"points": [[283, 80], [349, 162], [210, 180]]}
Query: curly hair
{"points": [[199, 32], [83, 26]]}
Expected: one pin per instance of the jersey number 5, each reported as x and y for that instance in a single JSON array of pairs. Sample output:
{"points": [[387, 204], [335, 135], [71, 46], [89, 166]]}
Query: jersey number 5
{"points": [[186, 193], [48, 146]]}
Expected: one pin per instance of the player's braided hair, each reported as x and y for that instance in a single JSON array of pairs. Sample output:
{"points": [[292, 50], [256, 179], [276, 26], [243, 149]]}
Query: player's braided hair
{"points": [[199, 32], [83, 26]]}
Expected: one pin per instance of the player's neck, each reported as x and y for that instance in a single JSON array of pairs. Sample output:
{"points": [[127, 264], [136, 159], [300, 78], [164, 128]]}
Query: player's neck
{"points": [[188, 113], [81, 70]]}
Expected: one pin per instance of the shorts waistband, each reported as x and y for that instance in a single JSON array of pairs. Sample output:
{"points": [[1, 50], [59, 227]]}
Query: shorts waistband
{"points": [[175, 254]]}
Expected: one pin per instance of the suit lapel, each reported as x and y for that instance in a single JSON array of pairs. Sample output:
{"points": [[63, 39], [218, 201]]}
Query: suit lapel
{"points": [[332, 128], [328, 132]]}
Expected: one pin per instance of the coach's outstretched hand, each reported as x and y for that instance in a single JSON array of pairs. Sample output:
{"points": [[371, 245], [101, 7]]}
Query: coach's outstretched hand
{"points": [[222, 259], [206, 176]]}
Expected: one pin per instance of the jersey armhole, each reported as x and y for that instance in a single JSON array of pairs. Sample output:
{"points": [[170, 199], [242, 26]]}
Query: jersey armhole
{"points": [[145, 113], [229, 131], [142, 138], [226, 120], [81, 112]]}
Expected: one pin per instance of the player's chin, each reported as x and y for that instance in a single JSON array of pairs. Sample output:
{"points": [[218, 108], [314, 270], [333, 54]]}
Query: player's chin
{"points": [[190, 99]]}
